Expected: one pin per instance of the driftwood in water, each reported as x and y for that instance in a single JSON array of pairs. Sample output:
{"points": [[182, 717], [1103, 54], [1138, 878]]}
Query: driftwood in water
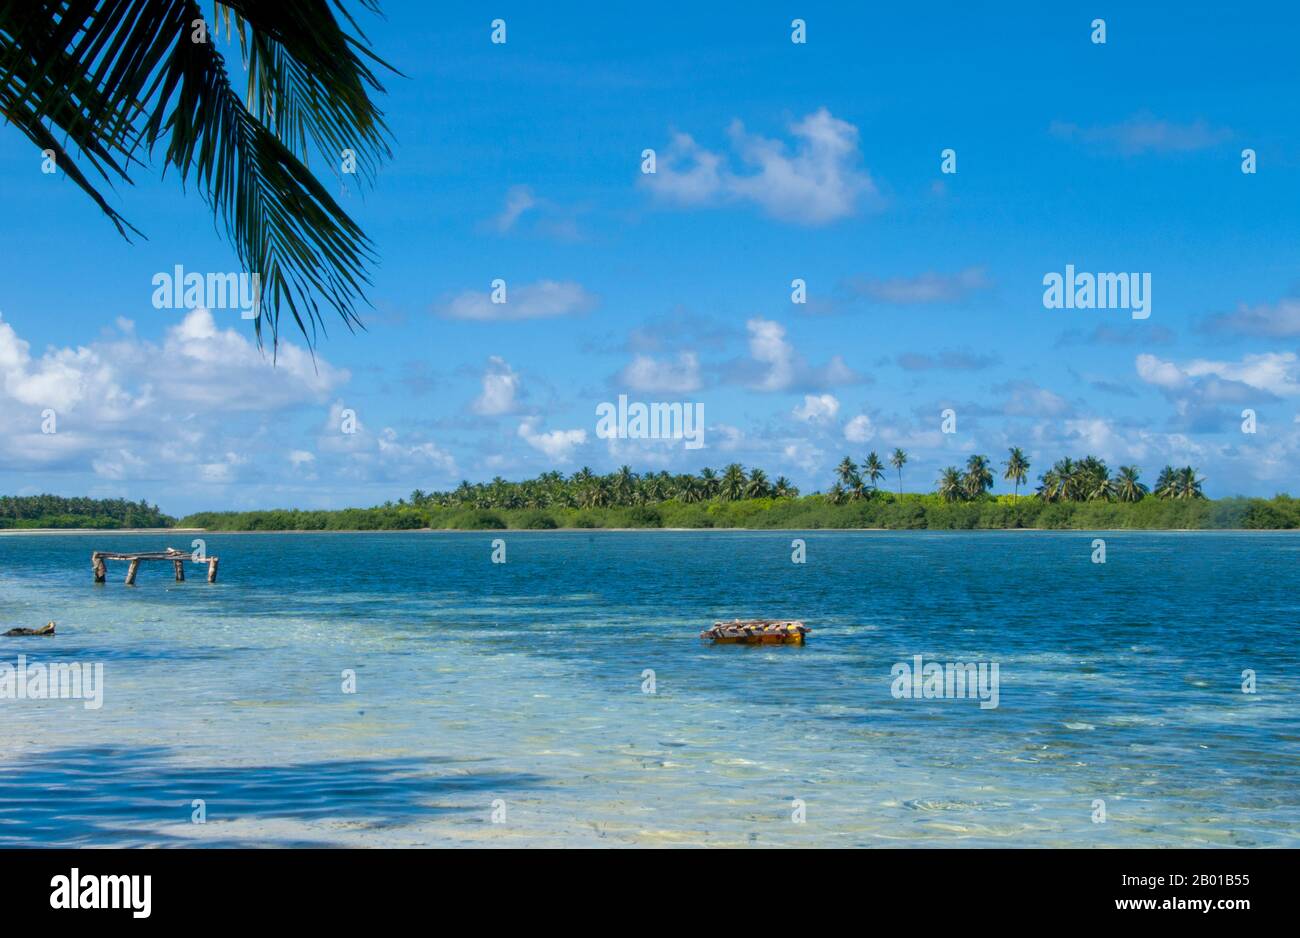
{"points": [[177, 557], [47, 629]]}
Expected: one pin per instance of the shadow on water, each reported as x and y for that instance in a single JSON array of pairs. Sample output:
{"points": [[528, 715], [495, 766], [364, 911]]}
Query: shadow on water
{"points": [[128, 796]]}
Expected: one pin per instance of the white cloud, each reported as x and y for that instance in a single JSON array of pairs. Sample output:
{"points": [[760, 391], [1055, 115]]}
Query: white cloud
{"points": [[768, 346], [652, 375], [1275, 373], [541, 300], [776, 366], [500, 389], [554, 443], [804, 455], [817, 408], [126, 408], [859, 429], [815, 182]]}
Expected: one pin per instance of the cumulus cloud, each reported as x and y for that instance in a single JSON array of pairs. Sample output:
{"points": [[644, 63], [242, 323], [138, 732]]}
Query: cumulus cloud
{"points": [[776, 366], [817, 408], [556, 444], [126, 408], [500, 389], [1274, 373], [541, 300], [859, 429], [654, 375], [816, 181]]}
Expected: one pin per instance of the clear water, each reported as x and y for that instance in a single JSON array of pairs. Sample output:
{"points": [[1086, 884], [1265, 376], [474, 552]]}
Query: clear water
{"points": [[521, 684]]}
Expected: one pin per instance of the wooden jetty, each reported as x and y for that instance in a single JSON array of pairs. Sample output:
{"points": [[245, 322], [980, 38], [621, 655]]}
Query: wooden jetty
{"points": [[757, 632], [178, 558]]}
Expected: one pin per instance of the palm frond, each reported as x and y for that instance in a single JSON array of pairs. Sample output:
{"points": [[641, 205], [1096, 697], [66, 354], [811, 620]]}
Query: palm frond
{"points": [[118, 77]]}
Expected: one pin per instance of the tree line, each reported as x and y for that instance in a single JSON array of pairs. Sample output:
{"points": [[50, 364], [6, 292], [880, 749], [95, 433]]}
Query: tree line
{"points": [[1086, 479], [53, 511], [1068, 480], [586, 489]]}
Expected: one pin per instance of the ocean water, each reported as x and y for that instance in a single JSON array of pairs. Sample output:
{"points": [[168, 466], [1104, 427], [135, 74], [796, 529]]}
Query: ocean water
{"points": [[505, 704]]}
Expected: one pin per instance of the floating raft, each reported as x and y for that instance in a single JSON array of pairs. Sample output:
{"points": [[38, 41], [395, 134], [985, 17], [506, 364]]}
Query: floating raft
{"points": [[757, 632], [178, 558]]}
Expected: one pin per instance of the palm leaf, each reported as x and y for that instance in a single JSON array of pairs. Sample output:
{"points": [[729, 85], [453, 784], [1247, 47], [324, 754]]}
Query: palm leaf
{"points": [[118, 77]]}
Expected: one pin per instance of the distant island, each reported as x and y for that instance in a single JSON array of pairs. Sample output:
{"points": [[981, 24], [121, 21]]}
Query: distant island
{"points": [[1071, 495], [53, 511]]}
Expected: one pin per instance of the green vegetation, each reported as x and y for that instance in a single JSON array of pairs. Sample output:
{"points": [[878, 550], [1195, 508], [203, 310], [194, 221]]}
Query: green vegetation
{"points": [[878, 510], [1080, 495], [51, 511]]}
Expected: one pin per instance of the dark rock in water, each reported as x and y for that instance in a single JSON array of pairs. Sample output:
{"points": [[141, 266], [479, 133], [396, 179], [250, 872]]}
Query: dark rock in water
{"points": [[47, 629]]}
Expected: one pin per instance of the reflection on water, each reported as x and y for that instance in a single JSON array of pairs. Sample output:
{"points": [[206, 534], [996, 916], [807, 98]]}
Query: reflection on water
{"points": [[520, 685]]}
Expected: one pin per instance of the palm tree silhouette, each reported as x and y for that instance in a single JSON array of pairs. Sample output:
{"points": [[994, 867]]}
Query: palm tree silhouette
{"points": [[873, 468], [951, 485], [1127, 486], [113, 80], [898, 461], [1017, 468], [978, 478]]}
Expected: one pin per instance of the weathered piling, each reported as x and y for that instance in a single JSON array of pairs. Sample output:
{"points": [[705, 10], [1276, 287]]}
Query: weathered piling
{"points": [[178, 559]]}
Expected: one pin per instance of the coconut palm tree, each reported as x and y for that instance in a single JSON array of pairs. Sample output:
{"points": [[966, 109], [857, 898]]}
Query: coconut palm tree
{"points": [[708, 482], [110, 81], [757, 486], [624, 483], [784, 488], [1017, 469], [1092, 480], [898, 461], [847, 472], [1186, 484], [978, 478], [951, 485], [837, 495], [1166, 483], [732, 485], [873, 469], [1127, 486]]}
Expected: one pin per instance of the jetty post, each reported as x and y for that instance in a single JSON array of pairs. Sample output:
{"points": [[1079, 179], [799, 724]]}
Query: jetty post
{"points": [[178, 559]]}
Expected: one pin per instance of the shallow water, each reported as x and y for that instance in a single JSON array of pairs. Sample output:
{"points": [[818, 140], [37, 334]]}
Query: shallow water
{"points": [[521, 685]]}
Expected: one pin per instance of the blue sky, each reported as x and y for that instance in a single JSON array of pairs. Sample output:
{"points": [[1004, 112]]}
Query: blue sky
{"points": [[775, 161]]}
